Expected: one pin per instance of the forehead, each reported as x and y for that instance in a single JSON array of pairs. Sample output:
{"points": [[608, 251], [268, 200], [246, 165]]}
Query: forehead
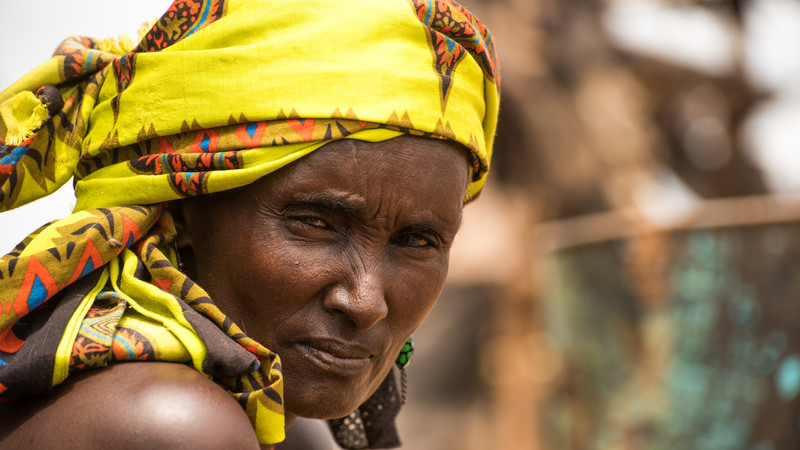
{"points": [[404, 172], [404, 157]]}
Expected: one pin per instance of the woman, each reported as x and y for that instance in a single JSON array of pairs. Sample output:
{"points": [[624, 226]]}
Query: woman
{"points": [[266, 194]]}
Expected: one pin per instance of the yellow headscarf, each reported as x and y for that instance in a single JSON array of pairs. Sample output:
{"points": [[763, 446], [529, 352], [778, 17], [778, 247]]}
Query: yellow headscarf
{"points": [[273, 82], [217, 94]]}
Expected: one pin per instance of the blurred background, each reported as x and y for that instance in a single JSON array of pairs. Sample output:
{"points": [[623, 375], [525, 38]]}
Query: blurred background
{"points": [[628, 278]]}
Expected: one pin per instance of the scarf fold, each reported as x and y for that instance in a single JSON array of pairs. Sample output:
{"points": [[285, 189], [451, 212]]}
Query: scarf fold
{"points": [[217, 94]]}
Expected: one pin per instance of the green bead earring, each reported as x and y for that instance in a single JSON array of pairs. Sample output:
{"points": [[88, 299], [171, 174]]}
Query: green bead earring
{"points": [[402, 361], [406, 353]]}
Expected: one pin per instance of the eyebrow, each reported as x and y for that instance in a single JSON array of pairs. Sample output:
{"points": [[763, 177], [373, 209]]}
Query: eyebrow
{"points": [[331, 199], [350, 203]]}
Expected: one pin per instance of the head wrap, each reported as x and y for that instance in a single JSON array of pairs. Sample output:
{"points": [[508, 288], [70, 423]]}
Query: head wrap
{"points": [[217, 94]]}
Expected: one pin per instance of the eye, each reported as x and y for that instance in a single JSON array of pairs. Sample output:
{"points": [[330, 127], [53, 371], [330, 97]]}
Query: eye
{"points": [[416, 240], [315, 222], [309, 225]]}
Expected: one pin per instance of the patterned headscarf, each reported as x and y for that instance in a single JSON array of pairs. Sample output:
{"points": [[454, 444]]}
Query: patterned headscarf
{"points": [[217, 94]]}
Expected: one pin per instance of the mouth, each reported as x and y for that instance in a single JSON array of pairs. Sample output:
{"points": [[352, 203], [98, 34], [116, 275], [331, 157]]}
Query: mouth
{"points": [[337, 357]]}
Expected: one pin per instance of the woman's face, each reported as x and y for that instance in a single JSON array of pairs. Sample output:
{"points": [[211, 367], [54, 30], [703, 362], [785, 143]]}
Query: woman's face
{"points": [[333, 261]]}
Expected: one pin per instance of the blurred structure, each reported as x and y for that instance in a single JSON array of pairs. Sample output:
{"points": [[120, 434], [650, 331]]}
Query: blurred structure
{"points": [[628, 279]]}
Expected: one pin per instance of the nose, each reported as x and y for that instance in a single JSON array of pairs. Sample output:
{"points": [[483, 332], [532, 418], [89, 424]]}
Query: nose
{"points": [[361, 297]]}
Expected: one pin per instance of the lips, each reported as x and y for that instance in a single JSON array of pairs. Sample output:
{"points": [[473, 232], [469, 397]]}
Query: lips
{"points": [[338, 357]]}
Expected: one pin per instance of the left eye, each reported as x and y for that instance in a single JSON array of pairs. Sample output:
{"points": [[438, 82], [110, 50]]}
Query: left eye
{"points": [[414, 240], [314, 222]]}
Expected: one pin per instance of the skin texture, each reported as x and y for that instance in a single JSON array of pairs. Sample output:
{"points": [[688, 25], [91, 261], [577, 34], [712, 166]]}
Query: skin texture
{"points": [[129, 406], [332, 262]]}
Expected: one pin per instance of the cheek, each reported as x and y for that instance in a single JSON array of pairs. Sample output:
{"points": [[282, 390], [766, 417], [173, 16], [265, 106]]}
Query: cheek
{"points": [[278, 280], [414, 291]]}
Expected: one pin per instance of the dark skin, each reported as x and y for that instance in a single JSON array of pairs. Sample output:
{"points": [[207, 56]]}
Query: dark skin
{"points": [[333, 271], [134, 405]]}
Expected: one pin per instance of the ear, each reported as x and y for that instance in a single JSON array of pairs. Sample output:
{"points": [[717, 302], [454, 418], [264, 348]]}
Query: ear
{"points": [[184, 216], [181, 211]]}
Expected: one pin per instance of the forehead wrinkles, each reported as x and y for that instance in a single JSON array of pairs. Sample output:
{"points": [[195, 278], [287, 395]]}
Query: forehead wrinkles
{"points": [[383, 182]]}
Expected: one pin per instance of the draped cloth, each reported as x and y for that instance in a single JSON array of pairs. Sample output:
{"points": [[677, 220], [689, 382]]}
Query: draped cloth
{"points": [[216, 94]]}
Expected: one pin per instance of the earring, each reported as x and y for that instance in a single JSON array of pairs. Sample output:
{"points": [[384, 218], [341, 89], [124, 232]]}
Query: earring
{"points": [[406, 353], [403, 360]]}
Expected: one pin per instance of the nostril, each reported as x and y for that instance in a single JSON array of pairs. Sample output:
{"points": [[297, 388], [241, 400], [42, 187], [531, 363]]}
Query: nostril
{"points": [[364, 307]]}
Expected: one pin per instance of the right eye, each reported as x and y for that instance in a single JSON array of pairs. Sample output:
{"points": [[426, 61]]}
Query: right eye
{"points": [[313, 221]]}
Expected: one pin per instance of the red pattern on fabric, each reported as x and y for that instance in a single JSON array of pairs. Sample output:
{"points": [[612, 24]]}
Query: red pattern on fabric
{"points": [[304, 128], [124, 69], [258, 133], [455, 22], [252, 349], [453, 32], [128, 345], [101, 339], [85, 349], [130, 230], [90, 254], [35, 276], [75, 51], [164, 146], [165, 284], [183, 18], [9, 342], [205, 141]]}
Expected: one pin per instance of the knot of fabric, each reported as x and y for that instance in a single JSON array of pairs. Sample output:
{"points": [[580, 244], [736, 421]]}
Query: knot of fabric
{"points": [[23, 115], [51, 98]]}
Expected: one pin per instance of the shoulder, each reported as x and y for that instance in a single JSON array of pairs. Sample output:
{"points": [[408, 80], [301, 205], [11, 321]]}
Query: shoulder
{"points": [[130, 405]]}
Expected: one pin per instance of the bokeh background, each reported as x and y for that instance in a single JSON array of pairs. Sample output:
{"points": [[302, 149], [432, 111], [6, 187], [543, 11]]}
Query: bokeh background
{"points": [[628, 279]]}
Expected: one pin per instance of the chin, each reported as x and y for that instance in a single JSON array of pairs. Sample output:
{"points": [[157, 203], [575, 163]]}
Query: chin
{"points": [[321, 406], [328, 397]]}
